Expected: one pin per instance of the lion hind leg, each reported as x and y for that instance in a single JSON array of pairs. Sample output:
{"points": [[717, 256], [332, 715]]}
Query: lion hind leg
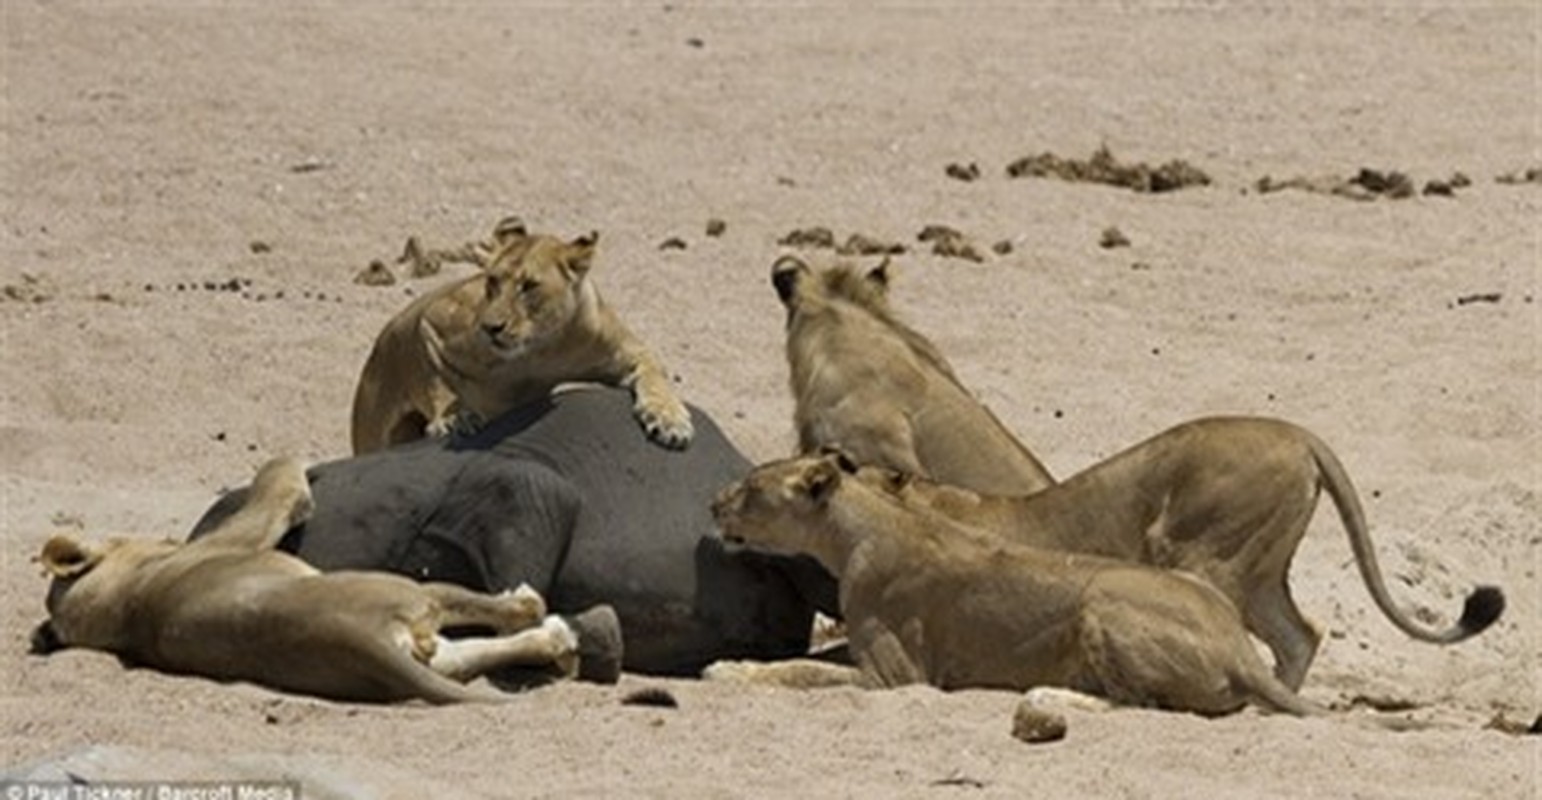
{"points": [[506, 612], [280, 499], [551, 644], [1272, 614]]}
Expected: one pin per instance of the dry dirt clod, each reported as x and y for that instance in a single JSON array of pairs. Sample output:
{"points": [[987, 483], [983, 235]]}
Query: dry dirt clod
{"points": [[376, 274], [859, 244], [1003, 247], [1102, 167], [672, 243], [716, 227], [1529, 175], [1113, 237], [950, 243], [963, 172], [817, 236]]}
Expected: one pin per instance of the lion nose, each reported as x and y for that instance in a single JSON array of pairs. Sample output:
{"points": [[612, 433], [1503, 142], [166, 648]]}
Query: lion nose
{"points": [[494, 328]]}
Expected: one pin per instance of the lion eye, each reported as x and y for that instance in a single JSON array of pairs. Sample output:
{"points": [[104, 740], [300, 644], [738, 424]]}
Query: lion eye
{"points": [[529, 285]]}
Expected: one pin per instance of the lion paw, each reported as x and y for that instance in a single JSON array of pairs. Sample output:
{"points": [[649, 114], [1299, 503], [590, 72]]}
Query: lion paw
{"points": [[460, 423], [564, 645], [668, 423], [525, 607]]}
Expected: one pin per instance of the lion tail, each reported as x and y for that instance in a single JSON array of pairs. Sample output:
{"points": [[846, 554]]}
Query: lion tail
{"points": [[1484, 605]]}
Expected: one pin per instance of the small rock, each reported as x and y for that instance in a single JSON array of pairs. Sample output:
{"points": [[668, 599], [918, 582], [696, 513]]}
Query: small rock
{"points": [[259, 247], [375, 274], [1113, 237], [309, 165], [1036, 725], [1002, 247], [716, 227], [672, 243]]}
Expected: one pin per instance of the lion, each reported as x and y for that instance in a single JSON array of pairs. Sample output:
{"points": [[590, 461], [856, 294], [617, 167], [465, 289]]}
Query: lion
{"points": [[504, 338], [231, 607], [868, 383], [927, 600], [1224, 498]]}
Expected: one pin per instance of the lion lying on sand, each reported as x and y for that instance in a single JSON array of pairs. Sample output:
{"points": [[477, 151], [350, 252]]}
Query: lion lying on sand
{"points": [[927, 600], [1225, 498], [504, 338], [871, 385], [229, 606]]}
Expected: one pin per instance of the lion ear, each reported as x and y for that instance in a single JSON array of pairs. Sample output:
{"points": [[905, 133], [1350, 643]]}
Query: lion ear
{"points": [[509, 229], [881, 276], [785, 274], [835, 454], [65, 557], [581, 252], [820, 481]]}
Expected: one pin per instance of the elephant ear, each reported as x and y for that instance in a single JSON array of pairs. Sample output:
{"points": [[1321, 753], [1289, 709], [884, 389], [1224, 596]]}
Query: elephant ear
{"points": [[65, 556]]}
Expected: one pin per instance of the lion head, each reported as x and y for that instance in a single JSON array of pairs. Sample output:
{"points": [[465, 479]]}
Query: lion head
{"points": [[781, 506], [533, 288], [88, 581]]}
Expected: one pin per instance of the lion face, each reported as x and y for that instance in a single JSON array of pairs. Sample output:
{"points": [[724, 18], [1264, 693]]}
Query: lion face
{"points": [[780, 506], [534, 288]]}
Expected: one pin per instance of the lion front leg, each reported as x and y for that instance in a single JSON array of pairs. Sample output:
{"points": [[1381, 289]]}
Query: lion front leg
{"points": [[552, 644], [662, 415], [506, 612], [797, 673]]}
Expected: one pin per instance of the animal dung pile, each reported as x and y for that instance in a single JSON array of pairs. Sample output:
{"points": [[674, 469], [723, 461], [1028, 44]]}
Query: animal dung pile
{"points": [[819, 237], [1102, 167], [1367, 184], [1531, 175], [950, 243]]}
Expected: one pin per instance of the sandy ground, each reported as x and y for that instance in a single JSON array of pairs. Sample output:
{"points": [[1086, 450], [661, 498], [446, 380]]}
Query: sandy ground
{"points": [[154, 151]]}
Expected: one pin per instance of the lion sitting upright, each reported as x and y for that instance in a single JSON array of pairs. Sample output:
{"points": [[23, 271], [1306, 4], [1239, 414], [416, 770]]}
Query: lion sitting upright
{"points": [[504, 338], [871, 385]]}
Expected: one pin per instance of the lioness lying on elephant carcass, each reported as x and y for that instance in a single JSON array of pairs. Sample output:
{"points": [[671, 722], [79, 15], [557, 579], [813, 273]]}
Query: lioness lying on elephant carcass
{"points": [[229, 606]]}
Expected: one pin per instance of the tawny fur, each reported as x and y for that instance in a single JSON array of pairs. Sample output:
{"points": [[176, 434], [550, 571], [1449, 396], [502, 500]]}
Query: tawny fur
{"points": [[229, 606], [866, 382], [1226, 498], [504, 338], [927, 600]]}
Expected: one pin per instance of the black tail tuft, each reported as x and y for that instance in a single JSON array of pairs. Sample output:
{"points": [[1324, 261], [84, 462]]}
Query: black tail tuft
{"points": [[651, 696], [1483, 608]]}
